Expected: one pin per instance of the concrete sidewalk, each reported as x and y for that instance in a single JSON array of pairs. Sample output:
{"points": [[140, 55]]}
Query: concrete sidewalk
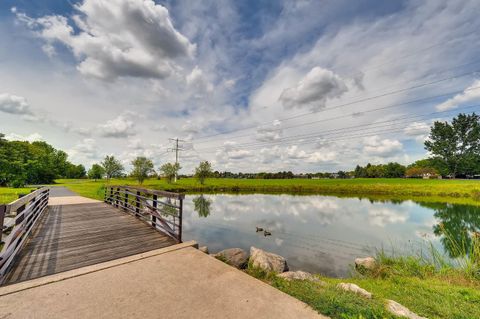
{"points": [[175, 282]]}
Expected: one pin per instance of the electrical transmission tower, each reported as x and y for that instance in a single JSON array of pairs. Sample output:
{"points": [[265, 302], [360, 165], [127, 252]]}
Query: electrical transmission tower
{"points": [[176, 148]]}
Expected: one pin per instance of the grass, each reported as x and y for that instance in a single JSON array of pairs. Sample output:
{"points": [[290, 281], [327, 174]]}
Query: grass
{"points": [[453, 191], [8, 195], [428, 288]]}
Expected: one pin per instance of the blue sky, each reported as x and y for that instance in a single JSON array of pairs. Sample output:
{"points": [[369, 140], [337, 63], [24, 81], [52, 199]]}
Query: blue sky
{"points": [[248, 85]]}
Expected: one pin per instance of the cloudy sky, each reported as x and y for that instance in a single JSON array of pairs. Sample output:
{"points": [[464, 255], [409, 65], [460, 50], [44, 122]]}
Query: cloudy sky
{"points": [[248, 85]]}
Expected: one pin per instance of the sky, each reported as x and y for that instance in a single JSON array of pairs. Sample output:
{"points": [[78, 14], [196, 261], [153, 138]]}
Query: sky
{"points": [[302, 86]]}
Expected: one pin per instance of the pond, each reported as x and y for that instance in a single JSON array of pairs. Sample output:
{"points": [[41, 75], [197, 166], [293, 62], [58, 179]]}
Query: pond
{"points": [[323, 234]]}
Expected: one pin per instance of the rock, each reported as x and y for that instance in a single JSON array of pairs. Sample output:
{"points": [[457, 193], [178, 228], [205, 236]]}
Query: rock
{"points": [[354, 288], [267, 261], [236, 257], [203, 249], [368, 263], [299, 275], [398, 310]]}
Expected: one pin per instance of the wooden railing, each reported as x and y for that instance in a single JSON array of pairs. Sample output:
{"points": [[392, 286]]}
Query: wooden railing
{"points": [[18, 219], [160, 209]]}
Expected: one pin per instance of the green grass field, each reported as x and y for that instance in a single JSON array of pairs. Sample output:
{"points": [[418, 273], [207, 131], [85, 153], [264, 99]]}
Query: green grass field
{"points": [[454, 191], [8, 195]]}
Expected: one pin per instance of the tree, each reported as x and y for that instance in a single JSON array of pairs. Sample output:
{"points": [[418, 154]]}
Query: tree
{"points": [[22, 163], [420, 172], [75, 171], [142, 168], [112, 167], [457, 144], [96, 172], [203, 171], [435, 164], [169, 171], [342, 174], [394, 170]]}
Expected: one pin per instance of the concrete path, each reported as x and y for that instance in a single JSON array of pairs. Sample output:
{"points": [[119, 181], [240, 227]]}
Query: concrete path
{"points": [[174, 282], [60, 195], [60, 191]]}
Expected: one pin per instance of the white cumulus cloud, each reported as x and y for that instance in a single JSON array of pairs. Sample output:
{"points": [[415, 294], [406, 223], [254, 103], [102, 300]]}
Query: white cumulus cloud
{"points": [[470, 94], [29, 138], [314, 90], [418, 130], [119, 127], [375, 146], [116, 38], [14, 104]]}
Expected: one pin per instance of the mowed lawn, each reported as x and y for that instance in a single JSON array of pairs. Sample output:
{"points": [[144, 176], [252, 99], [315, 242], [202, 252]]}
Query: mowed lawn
{"points": [[8, 195], [455, 191], [460, 191]]}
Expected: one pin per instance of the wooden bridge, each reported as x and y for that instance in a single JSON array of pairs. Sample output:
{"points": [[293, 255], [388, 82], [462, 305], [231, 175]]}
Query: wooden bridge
{"points": [[41, 239]]}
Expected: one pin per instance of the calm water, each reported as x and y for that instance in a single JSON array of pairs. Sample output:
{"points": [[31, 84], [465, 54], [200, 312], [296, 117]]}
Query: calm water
{"points": [[321, 234]]}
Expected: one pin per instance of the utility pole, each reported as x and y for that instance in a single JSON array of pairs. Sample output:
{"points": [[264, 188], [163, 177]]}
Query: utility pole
{"points": [[176, 149]]}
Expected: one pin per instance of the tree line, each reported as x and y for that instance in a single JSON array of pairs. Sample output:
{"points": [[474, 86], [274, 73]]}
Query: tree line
{"points": [[24, 163], [143, 168], [454, 147]]}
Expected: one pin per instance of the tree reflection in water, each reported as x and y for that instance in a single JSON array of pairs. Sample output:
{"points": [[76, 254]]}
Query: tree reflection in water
{"points": [[202, 206], [457, 226]]}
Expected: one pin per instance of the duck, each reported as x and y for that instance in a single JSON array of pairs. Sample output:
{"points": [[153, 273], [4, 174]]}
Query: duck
{"points": [[259, 229], [266, 233]]}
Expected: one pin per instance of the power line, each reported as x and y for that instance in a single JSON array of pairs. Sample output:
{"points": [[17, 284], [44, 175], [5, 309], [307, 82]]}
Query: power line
{"points": [[409, 118], [348, 115], [348, 103], [288, 140]]}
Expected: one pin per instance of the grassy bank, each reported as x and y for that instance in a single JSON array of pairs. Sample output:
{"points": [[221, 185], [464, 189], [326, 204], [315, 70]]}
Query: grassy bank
{"points": [[8, 195], [429, 291], [454, 191]]}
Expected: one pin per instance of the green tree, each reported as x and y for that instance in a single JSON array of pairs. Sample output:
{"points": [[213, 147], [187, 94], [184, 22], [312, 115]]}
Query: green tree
{"points": [[142, 168], [203, 171], [75, 171], [435, 164], [394, 170], [457, 144], [169, 171], [96, 172], [112, 167], [23, 163], [457, 226]]}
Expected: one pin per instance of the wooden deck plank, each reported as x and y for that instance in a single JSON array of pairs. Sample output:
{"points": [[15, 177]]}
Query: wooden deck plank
{"points": [[74, 236]]}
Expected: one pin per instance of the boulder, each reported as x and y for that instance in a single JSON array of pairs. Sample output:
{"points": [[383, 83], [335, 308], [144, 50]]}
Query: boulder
{"points": [[368, 263], [203, 249], [267, 261], [236, 257], [355, 289], [299, 275], [401, 311]]}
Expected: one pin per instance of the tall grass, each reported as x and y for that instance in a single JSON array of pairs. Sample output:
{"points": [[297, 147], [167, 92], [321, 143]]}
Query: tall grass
{"points": [[462, 259]]}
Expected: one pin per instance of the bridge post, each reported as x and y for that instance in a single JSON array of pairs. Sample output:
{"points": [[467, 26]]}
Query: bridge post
{"points": [[137, 204], [125, 206], [3, 209], [180, 215], [117, 195], [155, 202]]}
